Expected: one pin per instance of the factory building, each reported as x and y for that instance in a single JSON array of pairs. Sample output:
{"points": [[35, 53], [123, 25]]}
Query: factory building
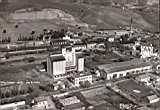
{"points": [[61, 65], [122, 69]]}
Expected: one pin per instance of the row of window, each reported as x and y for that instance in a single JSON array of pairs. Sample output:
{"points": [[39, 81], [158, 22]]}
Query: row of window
{"points": [[129, 73]]}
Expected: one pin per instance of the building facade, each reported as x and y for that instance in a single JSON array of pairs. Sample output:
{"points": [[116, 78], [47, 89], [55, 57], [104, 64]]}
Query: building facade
{"points": [[122, 69], [147, 51], [82, 78], [60, 65]]}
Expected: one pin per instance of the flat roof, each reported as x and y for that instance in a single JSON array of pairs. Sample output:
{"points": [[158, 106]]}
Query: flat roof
{"points": [[81, 75], [122, 66], [57, 58]]}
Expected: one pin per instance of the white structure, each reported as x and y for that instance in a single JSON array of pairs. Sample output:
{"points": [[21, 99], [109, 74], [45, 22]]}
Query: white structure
{"points": [[56, 65], [153, 99], [122, 69], [70, 56], [60, 64], [69, 101], [82, 78], [42, 103], [80, 63], [111, 39], [12, 105], [144, 78], [117, 32], [80, 46], [91, 45], [147, 51]]}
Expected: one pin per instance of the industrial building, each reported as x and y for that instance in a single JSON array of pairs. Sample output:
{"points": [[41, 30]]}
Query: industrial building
{"points": [[61, 65], [122, 69], [82, 78]]}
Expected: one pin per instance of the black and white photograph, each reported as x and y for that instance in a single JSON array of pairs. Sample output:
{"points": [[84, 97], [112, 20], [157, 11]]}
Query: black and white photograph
{"points": [[79, 54]]}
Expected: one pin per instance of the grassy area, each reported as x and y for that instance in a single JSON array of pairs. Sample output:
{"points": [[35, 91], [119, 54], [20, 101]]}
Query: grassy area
{"points": [[103, 97], [102, 17], [135, 90], [22, 72], [14, 73]]}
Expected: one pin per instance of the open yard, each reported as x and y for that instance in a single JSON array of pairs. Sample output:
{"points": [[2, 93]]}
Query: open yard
{"points": [[103, 98], [135, 90], [23, 72]]}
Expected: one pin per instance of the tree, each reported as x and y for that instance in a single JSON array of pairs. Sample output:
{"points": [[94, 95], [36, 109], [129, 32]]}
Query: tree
{"points": [[103, 74], [16, 26], [85, 84], [108, 45], [4, 31]]}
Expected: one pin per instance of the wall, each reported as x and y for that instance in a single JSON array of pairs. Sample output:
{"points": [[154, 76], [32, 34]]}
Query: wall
{"points": [[80, 65], [131, 71], [59, 68]]}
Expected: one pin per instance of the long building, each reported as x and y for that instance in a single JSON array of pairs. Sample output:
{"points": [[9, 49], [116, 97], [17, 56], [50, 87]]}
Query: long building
{"points": [[122, 69]]}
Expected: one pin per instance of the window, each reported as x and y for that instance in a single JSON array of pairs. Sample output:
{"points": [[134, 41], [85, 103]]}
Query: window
{"points": [[127, 73], [114, 76], [121, 75]]}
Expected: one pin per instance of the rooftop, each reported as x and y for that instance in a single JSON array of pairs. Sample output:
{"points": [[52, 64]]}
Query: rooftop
{"points": [[122, 66], [81, 75], [152, 97], [57, 58], [79, 55], [70, 101]]}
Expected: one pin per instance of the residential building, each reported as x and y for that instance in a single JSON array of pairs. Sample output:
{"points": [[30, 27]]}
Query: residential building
{"points": [[122, 69], [145, 78], [116, 32], [147, 51]]}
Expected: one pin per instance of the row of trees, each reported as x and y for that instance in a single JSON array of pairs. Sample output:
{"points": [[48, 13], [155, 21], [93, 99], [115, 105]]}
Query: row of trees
{"points": [[45, 34], [5, 40], [15, 90]]}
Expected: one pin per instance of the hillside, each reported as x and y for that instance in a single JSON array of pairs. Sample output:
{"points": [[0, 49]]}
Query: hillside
{"points": [[96, 16]]}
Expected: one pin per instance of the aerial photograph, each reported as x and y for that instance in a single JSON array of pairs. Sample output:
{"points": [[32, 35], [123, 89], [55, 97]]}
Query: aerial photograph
{"points": [[79, 54]]}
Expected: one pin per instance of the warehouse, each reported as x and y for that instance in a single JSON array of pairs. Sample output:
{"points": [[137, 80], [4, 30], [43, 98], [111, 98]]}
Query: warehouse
{"points": [[122, 69]]}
